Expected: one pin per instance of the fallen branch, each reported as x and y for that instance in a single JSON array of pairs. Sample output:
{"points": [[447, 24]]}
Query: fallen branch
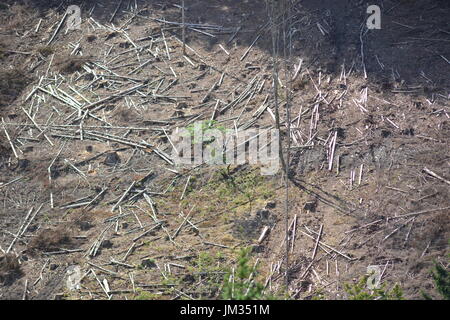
{"points": [[435, 175]]}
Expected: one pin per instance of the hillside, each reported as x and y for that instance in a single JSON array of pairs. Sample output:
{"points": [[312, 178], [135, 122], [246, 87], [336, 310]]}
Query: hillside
{"points": [[88, 186]]}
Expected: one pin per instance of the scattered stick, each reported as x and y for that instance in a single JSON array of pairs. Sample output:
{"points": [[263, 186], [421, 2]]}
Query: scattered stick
{"points": [[115, 11], [263, 234], [317, 242], [114, 274], [395, 230], [157, 225], [2, 185], [123, 196], [37, 126], [185, 188], [9, 140], [215, 244], [24, 226], [114, 96], [332, 149], [182, 224], [419, 213], [225, 50], [329, 247], [57, 28], [81, 173], [24, 296], [435, 175], [249, 48]]}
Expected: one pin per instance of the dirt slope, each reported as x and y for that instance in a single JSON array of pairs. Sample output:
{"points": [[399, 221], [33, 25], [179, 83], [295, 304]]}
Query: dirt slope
{"points": [[88, 115]]}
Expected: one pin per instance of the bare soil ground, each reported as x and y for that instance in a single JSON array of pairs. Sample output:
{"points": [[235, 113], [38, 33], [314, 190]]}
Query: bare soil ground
{"points": [[86, 177]]}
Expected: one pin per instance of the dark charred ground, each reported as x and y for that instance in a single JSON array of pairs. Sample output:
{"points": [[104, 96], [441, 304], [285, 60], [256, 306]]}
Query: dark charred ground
{"points": [[412, 40], [405, 129]]}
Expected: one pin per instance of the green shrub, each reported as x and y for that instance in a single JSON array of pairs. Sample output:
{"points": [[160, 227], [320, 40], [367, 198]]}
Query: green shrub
{"points": [[359, 291], [145, 295], [203, 126], [441, 279], [242, 288]]}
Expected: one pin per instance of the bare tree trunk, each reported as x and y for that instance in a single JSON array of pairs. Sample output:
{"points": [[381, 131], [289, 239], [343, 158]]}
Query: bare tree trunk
{"points": [[275, 70], [287, 46], [277, 10], [184, 27]]}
